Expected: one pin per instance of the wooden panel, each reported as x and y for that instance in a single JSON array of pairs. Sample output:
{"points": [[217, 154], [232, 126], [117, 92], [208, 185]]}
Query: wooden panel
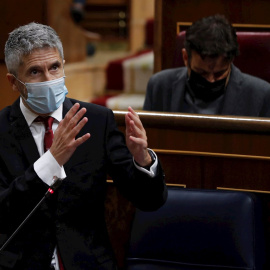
{"points": [[169, 12], [83, 80], [140, 10], [14, 13], [8, 96], [202, 151], [55, 13], [205, 133], [119, 213], [73, 37]]}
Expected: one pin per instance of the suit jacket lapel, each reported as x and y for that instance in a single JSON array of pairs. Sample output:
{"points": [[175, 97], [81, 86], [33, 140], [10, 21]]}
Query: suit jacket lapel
{"points": [[178, 90], [22, 133], [233, 93], [66, 106]]}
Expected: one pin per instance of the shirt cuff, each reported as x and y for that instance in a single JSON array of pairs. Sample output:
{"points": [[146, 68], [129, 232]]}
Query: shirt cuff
{"points": [[153, 169], [47, 167]]}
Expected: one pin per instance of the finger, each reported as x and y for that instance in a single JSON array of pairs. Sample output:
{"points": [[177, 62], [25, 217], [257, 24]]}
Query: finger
{"points": [[131, 119], [127, 120], [71, 113], [136, 131], [82, 139], [138, 141], [135, 117], [131, 110], [74, 130], [76, 118]]}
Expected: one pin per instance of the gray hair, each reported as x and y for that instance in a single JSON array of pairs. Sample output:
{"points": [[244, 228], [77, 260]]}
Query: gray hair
{"points": [[24, 39]]}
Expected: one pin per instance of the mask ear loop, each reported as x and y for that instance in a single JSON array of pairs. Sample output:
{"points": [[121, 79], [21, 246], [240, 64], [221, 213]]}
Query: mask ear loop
{"points": [[64, 76], [25, 88], [18, 79], [228, 76]]}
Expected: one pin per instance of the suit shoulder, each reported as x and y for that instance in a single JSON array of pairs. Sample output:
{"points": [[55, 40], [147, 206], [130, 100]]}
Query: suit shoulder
{"points": [[5, 113], [250, 80], [256, 81], [5, 118]]}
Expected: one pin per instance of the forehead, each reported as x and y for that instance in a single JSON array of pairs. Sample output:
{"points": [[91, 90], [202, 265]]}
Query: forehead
{"points": [[209, 63], [39, 57]]}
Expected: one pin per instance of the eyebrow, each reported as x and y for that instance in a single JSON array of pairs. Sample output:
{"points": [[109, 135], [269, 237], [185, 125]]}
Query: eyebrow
{"points": [[57, 62], [198, 69]]}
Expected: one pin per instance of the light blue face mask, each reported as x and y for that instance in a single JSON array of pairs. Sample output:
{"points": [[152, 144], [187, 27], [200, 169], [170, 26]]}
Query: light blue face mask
{"points": [[46, 97]]}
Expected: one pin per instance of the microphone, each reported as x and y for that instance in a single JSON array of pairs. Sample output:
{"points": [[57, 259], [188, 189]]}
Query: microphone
{"points": [[55, 184]]}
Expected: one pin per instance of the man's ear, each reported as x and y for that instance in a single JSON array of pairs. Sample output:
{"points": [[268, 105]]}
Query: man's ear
{"points": [[12, 81], [185, 57]]}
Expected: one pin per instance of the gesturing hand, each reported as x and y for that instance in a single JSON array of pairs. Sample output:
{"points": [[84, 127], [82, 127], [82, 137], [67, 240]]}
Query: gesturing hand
{"points": [[136, 138], [64, 141]]}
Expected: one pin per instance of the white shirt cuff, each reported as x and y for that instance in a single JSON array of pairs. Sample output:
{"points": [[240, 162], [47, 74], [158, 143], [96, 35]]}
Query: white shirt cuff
{"points": [[47, 167], [153, 169]]}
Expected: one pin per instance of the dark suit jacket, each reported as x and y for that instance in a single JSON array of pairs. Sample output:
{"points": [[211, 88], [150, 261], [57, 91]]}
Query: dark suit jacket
{"points": [[73, 217], [245, 95]]}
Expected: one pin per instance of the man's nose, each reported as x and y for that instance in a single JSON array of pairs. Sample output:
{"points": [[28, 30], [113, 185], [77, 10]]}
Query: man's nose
{"points": [[210, 78], [47, 76]]}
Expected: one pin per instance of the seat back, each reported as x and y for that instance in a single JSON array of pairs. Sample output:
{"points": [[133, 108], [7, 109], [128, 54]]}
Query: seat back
{"points": [[199, 229], [254, 55]]}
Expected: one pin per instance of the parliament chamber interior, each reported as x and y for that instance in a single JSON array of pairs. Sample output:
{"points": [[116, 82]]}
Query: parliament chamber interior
{"points": [[217, 168]]}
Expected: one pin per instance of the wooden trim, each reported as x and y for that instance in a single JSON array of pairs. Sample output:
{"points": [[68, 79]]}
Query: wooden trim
{"points": [[179, 24], [244, 190], [243, 25], [158, 35], [209, 154], [167, 184], [176, 185], [236, 25], [180, 121]]}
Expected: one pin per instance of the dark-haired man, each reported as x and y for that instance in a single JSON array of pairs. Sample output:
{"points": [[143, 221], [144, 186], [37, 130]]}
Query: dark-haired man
{"points": [[210, 83]]}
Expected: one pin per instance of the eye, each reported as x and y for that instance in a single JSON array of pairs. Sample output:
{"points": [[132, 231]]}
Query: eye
{"points": [[204, 74], [34, 72], [55, 67]]}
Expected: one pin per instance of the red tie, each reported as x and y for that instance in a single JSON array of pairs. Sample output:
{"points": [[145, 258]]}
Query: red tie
{"points": [[48, 138], [60, 263]]}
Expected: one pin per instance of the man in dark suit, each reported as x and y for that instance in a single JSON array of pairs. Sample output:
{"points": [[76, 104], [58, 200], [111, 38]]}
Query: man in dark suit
{"points": [[69, 227], [210, 83]]}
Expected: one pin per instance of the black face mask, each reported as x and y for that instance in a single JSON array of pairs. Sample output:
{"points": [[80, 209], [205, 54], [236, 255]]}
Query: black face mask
{"points": [[203, 89]]}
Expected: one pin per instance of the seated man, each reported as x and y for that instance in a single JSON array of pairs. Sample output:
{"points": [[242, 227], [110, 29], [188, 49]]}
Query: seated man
{"points": [[210, 83], [44, 137]]}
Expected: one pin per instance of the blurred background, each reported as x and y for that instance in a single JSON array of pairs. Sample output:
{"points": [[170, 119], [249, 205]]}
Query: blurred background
{"points": [[97, 35]]}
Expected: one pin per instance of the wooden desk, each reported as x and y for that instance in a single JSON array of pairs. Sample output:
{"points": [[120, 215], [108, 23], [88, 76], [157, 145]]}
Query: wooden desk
{"points": [[201, 151]]}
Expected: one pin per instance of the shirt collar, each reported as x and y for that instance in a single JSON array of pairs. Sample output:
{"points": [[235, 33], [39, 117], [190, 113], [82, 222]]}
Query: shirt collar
{"points": [[30, 116]]}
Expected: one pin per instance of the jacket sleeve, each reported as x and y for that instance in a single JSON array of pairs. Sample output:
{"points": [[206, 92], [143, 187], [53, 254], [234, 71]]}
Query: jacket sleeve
{"points": [[20, 187], [144, 192]]}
